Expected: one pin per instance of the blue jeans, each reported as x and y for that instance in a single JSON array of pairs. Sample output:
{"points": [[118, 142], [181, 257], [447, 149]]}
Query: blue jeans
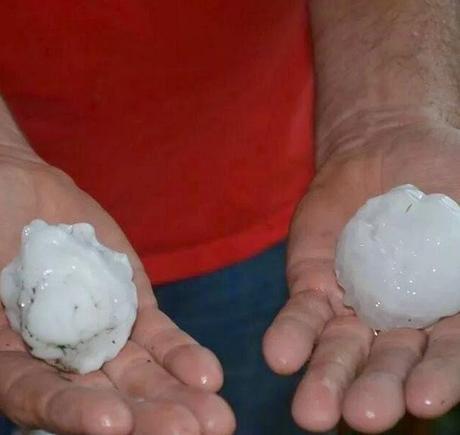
{"points": [[228, 311], [6, 427]]}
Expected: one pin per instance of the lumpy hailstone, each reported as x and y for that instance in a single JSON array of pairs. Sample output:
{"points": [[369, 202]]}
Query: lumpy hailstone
{"points": [[398, 259], [71, 298]]}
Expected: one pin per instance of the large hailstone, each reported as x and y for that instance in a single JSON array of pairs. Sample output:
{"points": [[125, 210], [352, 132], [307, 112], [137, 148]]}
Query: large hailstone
{"points": [[71, 298], [398, 259]]}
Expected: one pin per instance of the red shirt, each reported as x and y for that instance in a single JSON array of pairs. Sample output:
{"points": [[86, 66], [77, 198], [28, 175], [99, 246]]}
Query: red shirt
{"points": [[190, 122]]}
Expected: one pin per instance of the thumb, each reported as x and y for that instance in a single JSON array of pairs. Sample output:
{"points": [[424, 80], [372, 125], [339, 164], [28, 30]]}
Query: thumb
{"points": [[315, 294]]}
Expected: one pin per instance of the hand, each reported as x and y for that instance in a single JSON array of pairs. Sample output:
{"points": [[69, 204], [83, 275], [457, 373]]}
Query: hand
{"points": [[369, 380], [161, 383]]}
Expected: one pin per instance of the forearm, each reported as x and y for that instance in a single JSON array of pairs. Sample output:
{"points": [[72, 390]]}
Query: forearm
{"points": [[12, 141], [382, 63]]}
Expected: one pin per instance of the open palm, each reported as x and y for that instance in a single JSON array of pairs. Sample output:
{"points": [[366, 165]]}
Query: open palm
{"points": [[370, 380], [162, 382]]}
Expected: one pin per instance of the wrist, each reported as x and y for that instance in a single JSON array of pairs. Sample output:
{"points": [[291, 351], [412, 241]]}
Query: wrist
{"points": [[382, 67], [375, 127]]}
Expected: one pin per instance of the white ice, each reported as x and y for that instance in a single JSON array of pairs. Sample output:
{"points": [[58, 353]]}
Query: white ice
{"points": [[398, 259], [72, 299]]}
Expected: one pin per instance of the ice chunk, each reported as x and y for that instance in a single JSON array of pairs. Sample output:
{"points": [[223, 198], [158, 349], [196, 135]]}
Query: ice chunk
{"points": [[72, 299], [398, 259]]}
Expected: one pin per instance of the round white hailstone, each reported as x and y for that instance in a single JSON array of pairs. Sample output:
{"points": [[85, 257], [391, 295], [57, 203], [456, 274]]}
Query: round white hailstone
{"points": [[72, 299], [398, 259]]}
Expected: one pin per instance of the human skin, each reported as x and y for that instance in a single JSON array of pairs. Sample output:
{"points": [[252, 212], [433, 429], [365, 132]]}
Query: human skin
{"points": [[161, 383], [387, 114], [387, 92]]}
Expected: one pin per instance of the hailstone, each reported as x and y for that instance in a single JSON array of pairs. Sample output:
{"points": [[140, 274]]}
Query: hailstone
{"points": [[72, 299], [398, 258]]}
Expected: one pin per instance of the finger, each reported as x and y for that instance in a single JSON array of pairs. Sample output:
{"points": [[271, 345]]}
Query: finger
{"points": [[176, 351], [342, 349], [35, 395], [375, 401], [288, 342], [214, 415], [135, 374], [315, 293], [163, 418], [433, 387], [172, 348]]}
